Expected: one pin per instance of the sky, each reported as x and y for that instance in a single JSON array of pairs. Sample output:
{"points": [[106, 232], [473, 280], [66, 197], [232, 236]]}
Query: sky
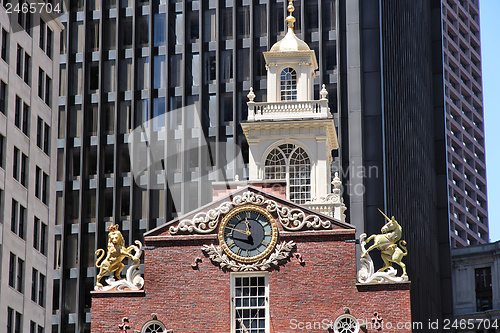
{"points": [[490, 52]]}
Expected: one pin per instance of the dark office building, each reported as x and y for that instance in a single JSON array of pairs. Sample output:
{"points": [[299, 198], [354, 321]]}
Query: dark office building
{"points": [[126, 62]]}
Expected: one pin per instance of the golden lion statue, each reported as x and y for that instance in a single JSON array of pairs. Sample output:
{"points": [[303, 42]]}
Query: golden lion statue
{"points": [[116, 253]]}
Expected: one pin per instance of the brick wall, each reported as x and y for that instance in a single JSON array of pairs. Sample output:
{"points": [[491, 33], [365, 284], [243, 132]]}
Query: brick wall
{"points": [[198, 300]]}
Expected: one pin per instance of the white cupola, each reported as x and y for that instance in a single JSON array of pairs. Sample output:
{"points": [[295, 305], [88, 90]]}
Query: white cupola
{"points": [[290, 67], [291, 136]]}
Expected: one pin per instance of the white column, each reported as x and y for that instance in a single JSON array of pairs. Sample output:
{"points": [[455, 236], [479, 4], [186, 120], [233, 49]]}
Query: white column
{"points": [[273, 84], [322, 179]]}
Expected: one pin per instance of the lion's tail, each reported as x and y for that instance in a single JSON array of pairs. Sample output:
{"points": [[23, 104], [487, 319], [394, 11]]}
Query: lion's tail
{"points": [[132, 247], [101, 255], [402, 244]]}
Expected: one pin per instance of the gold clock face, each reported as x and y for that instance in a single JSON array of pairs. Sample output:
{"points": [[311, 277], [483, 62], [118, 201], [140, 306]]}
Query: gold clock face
{"points": [[248, 233]]}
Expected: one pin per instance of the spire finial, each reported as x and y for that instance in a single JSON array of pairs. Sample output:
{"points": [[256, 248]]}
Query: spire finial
{"points": [[290, 20]]}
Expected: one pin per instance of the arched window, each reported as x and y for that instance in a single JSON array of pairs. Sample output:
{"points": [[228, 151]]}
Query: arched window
{"points": [[288, 84], [290, 163], [154, 326]]}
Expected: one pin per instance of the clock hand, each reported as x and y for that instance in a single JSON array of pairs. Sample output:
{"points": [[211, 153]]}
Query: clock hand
{"points": [[249, 240], [248, 233], [248, 227]]}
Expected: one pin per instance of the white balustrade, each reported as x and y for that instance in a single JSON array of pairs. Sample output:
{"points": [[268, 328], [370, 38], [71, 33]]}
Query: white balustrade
{"points": [[323, 208], [288, 110]]}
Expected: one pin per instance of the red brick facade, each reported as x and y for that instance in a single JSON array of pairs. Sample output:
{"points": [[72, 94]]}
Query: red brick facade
{"points": [[306, 292]]}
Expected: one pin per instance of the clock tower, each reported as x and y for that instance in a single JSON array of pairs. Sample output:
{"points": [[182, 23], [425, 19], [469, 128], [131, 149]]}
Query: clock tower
{"points": [[291, 136], [271, 255]]}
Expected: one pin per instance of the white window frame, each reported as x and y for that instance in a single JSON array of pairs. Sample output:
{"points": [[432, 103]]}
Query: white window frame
{"points": [[288, 168], [289, 92], [154, 322], [232, 300]]}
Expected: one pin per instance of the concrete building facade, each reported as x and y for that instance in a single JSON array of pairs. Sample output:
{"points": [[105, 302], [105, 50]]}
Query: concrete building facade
{"points": [[29, 79], [476, 290], [465, 123]]}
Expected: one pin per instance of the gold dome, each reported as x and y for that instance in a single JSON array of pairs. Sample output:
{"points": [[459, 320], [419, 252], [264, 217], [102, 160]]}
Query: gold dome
{"points": [[290, 42]]}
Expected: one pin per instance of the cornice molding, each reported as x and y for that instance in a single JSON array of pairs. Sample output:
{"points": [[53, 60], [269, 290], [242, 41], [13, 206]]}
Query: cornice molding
{"points": [[291, 219]]}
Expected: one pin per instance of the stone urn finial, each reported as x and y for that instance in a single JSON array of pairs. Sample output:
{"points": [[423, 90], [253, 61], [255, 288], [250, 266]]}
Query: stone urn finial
{"points": [[336, 182], [323, 92], [251, 95]]}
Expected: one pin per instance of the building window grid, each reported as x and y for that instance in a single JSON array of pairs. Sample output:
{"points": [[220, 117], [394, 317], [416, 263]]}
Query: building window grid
{"points": [[21, 117], [23, 179], [41, 290], [36, 232], [288, 84], [48, 90], [5, 44], [27, 66], [34, 284], [46, 139], [14, 321], [24, 20], [20, 275], [39, 132], [43, 30], [2, 151], [13, 216], [19, 64], [18, 219], [34, 326], [12, 270], [19, 323], [484, 294], [43, 239], [250, 303], [45, 189], [17, 112], [38, 185], [25, 124], [39, 235], [41, 83], [21, 222], [470, 71], [3, 97], [43, 136], [10, 320]]}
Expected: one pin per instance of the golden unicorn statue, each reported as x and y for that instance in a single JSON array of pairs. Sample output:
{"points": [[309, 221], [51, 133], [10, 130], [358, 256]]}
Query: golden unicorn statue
{"points": [[116, 253], [387, 244]]}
